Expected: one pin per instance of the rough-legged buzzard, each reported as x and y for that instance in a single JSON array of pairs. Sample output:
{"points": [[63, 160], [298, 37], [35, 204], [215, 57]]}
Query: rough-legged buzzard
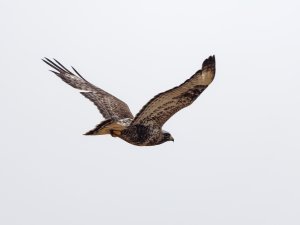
{"points": [[145, 129]]}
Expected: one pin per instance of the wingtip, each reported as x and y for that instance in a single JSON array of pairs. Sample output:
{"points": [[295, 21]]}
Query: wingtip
{"points": [[54, 72], [47, 59], [209, 61], [44, 59], [89, 133]]}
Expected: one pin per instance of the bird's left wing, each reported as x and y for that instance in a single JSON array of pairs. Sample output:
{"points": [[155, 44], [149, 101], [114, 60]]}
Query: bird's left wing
{"points": [[164, 105], [108, 105]]}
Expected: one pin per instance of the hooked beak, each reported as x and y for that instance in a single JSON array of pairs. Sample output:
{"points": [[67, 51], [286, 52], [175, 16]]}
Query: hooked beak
{"points": [[171, 139]]}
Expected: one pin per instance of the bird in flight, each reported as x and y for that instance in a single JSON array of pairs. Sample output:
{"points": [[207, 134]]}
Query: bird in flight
{"points": [[145, 129]]}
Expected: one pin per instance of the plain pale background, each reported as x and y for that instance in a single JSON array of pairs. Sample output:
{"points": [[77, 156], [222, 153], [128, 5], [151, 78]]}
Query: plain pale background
{"points": [[236, 156]]}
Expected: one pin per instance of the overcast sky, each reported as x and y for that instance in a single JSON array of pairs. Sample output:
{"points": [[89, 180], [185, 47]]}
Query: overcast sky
{"points": [[236, 155]]}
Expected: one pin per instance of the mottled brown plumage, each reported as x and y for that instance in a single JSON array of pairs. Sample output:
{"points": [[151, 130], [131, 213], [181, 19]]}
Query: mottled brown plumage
{"points": [[108, 105], [145, 129]]}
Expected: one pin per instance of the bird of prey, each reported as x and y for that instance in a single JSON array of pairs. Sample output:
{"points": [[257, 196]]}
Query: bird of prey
{"points": [[145, 129]]}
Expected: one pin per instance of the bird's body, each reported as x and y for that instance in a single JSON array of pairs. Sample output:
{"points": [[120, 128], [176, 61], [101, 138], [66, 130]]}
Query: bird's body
{"points": [[145, 129], [134, 134]]}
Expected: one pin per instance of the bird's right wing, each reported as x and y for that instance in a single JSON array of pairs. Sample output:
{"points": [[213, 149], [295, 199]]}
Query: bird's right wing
{"points": [[164, 105], [108, 105]]}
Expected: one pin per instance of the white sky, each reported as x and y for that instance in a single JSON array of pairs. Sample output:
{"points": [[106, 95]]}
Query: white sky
{"points": [[236, 156]]}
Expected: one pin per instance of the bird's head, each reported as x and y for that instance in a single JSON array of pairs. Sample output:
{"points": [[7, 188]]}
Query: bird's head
{"points": [[167, 136]]}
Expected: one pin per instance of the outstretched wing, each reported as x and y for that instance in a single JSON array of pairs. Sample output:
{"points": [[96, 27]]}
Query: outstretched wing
{"points": [[108, 105], [164, 105]]}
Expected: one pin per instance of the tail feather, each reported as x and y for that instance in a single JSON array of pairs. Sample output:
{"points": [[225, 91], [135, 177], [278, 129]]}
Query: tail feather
{"points": [[98, 129], [109, 126]]}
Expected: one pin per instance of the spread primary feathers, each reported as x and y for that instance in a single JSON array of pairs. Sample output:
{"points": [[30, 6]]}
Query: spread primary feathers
{"points": [[145, 129]]}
